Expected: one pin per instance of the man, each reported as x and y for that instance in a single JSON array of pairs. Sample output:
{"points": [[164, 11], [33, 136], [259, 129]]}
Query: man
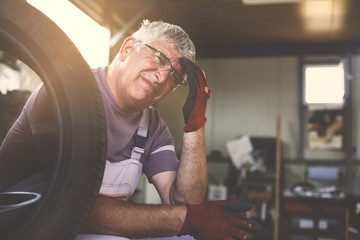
{"points": [[151, 63]]}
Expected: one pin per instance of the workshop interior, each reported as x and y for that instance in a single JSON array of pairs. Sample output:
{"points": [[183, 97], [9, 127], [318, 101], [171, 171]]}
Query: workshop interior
{"points": [[283, 118]]}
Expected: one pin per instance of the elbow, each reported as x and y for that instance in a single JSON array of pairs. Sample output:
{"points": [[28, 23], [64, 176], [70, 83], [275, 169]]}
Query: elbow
{"points": [[191, 197]]}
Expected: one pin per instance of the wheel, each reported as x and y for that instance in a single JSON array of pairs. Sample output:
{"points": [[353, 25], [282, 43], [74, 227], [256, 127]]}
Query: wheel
{"points": [[30, 36]]}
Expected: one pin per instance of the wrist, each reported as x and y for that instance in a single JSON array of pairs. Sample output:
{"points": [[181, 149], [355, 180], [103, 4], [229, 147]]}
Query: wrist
{"points": [[195, 125], [182, 215]]}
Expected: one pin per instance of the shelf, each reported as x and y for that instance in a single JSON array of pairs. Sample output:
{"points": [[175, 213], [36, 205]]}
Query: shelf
{"points": [[314, 217], [261, 176]]}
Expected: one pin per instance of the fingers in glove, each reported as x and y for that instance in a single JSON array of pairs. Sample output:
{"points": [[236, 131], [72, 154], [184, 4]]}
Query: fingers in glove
{"points": [[237, 206], [242, 235], [248, 224], [191, 70], [195, 75]]}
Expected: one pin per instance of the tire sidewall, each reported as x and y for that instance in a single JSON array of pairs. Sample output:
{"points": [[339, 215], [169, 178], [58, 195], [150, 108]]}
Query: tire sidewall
{"points": [[31, 37]]}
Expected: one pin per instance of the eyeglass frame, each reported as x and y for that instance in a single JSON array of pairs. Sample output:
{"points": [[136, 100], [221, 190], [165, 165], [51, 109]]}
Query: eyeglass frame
{"points": [[167, 66]]}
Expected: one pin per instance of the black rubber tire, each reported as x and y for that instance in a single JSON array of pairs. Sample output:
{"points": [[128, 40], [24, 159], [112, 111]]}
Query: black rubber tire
{"points": [[33, 38]]}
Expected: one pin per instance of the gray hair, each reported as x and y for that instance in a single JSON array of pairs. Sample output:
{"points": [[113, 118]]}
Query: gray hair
{"points": [[161, 31]]}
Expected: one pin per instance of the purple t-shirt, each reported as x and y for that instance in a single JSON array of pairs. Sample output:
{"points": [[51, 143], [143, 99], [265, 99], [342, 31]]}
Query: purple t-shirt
{"points": [[159, 155]]}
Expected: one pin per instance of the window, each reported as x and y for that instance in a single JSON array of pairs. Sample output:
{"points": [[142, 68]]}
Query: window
{"points": [[323, 96], [324, 84]]}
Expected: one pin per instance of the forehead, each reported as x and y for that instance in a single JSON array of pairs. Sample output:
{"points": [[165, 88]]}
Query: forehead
{"points": [[168, 50]]}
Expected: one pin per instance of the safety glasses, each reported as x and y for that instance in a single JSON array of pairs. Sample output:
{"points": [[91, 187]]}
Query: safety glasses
{"points": [[164, 63]]}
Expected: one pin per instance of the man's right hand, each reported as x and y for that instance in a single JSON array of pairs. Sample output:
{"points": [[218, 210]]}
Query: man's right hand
{"points": [[218, 220]]}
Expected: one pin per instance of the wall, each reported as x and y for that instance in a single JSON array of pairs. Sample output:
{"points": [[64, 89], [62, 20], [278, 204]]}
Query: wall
{"points": [[356, 104], [356, 123], [247, 96]]}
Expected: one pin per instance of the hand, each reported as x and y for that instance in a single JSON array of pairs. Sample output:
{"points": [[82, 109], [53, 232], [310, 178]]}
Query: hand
{"points": [[217, 220], [194, 108]]}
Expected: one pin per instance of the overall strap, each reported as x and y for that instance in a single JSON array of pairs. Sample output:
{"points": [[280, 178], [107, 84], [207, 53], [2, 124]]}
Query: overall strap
{"points": [[141, 135]]}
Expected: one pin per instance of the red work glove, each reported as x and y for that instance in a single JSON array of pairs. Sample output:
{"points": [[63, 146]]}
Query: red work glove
{"points": [[217, 220], [195, 106]]}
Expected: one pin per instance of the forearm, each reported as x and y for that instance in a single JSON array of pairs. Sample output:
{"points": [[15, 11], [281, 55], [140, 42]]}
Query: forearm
{"points": [[191, 179], [115, 217]]}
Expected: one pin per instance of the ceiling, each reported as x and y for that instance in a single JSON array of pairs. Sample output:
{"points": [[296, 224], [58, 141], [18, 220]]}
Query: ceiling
{"points": [[226, 28]]}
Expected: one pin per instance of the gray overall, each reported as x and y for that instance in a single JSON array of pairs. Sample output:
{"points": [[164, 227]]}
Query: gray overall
{"points": [[121, 178]]}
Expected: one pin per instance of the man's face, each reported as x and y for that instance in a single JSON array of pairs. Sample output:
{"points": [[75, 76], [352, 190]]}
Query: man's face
{"points": [[147, 78]]}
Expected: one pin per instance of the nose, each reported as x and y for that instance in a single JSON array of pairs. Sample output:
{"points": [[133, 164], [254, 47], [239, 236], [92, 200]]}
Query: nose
{"points": [[162, 75]]}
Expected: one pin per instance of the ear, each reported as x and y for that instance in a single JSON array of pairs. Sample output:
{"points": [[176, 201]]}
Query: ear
{"points": [[126, 48]]}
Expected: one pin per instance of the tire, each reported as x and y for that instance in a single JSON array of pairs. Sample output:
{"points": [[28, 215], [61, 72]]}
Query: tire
{"points": [[30, 36]]}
